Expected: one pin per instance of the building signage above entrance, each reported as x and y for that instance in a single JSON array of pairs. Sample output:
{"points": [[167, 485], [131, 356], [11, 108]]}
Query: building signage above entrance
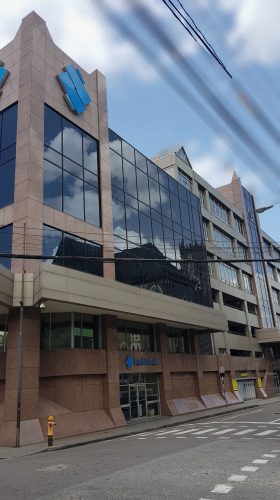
{"points": [[75, 92], [130, 361], [4, 73]]}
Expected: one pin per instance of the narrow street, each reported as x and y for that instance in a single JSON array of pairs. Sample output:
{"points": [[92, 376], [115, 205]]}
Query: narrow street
{"points": [[230, 457]]}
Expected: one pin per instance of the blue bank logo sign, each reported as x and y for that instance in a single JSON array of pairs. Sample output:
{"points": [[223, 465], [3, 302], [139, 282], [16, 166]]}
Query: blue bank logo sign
{"points": [[4, 73], [130, 361], [75, 92]]}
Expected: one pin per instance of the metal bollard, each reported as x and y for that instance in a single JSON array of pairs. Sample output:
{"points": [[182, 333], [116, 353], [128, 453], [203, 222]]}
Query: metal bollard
{"points": [[51, 424]]}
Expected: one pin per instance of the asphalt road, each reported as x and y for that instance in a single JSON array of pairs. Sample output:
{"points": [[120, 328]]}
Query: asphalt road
{"points": [[227, 458]]}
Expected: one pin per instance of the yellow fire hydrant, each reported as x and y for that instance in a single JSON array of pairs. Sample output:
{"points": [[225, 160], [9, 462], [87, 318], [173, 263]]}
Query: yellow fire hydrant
{"points": [[51, 424]]}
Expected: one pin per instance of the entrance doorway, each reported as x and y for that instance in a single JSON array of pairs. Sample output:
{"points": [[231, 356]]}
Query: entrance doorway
{"points": [[139, 395], [247, 389]]}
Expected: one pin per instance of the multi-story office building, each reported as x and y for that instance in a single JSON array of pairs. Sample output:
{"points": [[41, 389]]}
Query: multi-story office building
{"points": [[104, 314]]}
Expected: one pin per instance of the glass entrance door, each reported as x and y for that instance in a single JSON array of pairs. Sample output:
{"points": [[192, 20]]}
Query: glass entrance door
{"points": [[137, 396]]}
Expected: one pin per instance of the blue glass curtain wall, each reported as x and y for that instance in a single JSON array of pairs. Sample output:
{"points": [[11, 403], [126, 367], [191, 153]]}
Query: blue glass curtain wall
{"points": [[8, 132], [255, 249], [57, 243], [71, 169], [155, 217], [6, 237]]}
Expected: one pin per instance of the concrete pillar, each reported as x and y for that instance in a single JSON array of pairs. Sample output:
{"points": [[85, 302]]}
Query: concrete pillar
{"points": [[30, 430], [111, 382]]}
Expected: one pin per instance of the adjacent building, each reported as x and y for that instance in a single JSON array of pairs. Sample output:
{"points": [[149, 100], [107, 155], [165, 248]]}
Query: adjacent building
{"points": [[109, 311]]}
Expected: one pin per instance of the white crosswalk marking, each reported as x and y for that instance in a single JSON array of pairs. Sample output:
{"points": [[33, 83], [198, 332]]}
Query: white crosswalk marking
{"points": [[223, 432], [203, 432], [222, 488], [162, 433], [246, 431], [236, 477], [260, 461], [249, 468], [265, 433], [185, 432]]}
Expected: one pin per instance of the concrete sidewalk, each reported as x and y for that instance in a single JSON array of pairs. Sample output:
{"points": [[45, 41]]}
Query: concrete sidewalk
{"points": [[146, 425]]}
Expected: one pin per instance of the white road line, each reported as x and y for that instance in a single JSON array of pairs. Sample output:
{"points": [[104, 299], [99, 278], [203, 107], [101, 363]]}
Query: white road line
{"points": [[167, 432], [274, 421], [259, 461], [265, 433], [181, 437], [222, 488], [275, 451], [245, 431], [141, 438], [185, 432], [236, 477], [225, 431], [204, 432], [269, 455], [161, 437], [249, 468], [201, 437]]}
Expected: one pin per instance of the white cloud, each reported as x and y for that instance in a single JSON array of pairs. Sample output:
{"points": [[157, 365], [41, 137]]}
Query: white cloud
{"points": [[255, 34]]}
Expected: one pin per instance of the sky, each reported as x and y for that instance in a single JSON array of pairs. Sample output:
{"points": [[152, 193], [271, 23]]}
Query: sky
{"points": [[148, 113]]}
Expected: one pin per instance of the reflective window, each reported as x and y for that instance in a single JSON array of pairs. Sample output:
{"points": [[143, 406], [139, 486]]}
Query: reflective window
{"points": [[218, 209], [238, 224], [180, 341], [275, 296], [185, 179], [69, 330], [134, 336], [202, 196], [3, 332], [270, 271], [155, 217], [228, 274], [58, 244], [6, 237], [241, 251], [247, 281], [8, 130], [222, 240], [71, 174]]}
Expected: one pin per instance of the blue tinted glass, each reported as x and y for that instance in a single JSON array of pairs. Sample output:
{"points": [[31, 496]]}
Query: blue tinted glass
{"points": [[91, 178], [173, 185], [129, 200], [152, 170], [175, 207], [92, 209], [7, 183], [8, 154], [52, 133], [75, 247], [119, 218], [115, 142], [129, 177], [52, 185], [73, 199], [143, 187], [6, 236], [132, 225], [90, 154], [72, 142], [117, 193], [163, 178], [158, 236], [116, 170], [165, 202], [94, 266], [141, 161], [72, 167], [185, 215], [53, 156], [128, 152], [53, 245], [145, 229], [154, 195], [9, 127]]}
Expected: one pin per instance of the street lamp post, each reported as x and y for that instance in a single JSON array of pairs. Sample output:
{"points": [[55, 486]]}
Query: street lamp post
{"points": [[260, 210]]}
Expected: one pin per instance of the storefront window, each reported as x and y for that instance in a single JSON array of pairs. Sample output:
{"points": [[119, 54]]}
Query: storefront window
{"points": [[180, 341], [137, 337], [139, 395], [69, 330]]}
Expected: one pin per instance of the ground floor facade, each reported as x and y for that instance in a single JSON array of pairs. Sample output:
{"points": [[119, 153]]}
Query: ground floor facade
{"points": [[95, 369]]}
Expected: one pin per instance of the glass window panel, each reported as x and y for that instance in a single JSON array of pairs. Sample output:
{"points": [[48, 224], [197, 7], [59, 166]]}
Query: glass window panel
{"points": [[129, 178], [167, 222], [53, 156], [132, 202], [196, 222], [141, 161], [91, 178], [6, 236], [117, 193], [75, 247], [119, 219], [116, 170], [90, 147], [94, 266], [8, 154], [52, 185], [163, 178], [158, 236], [185, 180], [115, 142], [89, 332], [128, 152], [72, 167], [9, 127], [165, 202], [72, 142], [152, 170], [132, 225], [77, 330], [52, 132], [145, 229], [175, 207], [169, 243], [92, 208], [173, 186], [144, 208], [45, 335], [7, 183], [53, 245], [73, 199], [154, 195], [61, 330], [143, 187]]}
